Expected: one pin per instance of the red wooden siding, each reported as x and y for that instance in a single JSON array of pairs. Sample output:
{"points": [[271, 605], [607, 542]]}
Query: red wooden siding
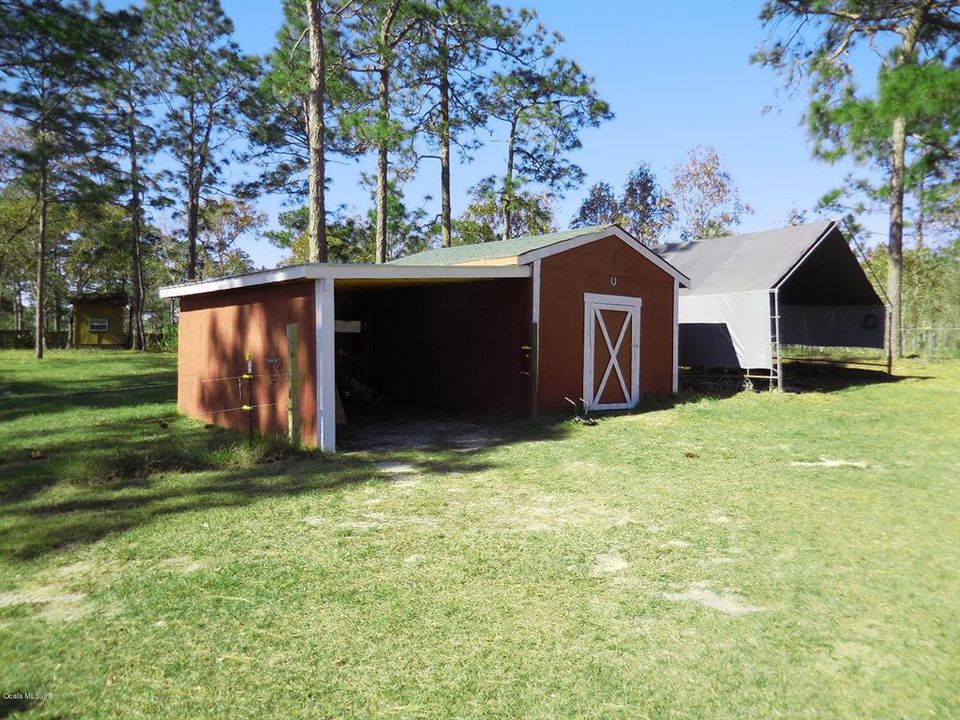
{"points": [[216, 332], [564, 278]]}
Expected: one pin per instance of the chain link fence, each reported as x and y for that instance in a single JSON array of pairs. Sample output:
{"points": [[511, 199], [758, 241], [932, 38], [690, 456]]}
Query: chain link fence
{"points": [[932, 343]]}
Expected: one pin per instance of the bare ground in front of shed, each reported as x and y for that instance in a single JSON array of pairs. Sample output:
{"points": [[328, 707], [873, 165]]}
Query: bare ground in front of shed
{"points": [[760, 555]]}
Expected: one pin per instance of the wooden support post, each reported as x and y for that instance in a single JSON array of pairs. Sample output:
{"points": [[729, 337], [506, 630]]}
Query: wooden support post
{"points": [[248, 377], [534, 366], [293, 386]]}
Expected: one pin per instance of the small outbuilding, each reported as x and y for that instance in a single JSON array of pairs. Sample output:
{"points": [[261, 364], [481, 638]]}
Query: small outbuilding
{"points": [[98, 319], [752, 294], [505, 327]]}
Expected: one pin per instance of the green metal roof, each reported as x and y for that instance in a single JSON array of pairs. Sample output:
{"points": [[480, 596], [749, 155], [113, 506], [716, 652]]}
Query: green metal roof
{"points": [[493, 250]]}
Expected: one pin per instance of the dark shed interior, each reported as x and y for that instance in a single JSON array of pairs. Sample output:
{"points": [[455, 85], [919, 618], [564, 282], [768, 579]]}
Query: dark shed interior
{"points": [[452, 346]]}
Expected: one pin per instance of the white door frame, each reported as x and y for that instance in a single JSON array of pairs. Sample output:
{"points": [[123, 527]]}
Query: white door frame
{"points": [[593, 303]]}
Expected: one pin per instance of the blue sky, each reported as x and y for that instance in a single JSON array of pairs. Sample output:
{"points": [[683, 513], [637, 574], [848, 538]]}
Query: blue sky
{"points": [[676, 75]]}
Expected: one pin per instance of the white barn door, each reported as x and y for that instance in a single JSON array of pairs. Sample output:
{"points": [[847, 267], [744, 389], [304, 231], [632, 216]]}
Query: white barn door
{"points": [[611, 351]]}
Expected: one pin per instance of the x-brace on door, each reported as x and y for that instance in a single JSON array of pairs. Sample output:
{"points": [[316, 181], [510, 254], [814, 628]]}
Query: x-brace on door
{"points": [[611, 351]]}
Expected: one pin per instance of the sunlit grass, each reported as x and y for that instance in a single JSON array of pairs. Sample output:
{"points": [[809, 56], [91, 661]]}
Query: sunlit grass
{"points": [[670, 564]]}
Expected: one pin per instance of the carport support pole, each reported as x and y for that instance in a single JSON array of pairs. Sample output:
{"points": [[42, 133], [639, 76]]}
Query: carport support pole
{"points": [[326, 359], [535, 340], [776, 309]]}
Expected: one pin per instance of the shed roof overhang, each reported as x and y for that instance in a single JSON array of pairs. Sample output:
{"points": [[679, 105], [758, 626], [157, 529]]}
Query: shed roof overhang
{"points": [[352, 275]]}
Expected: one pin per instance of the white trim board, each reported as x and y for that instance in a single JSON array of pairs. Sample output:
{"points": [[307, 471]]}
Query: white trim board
{"points": [[621, 234], [325, 363], [613, 299], [237, 281], [676, 336], [536, 291], [352, 271]]}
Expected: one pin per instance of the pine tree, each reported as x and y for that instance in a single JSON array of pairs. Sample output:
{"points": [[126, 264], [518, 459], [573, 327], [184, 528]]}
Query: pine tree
{"points": [[128, 91], [912, 115], [52, 56], [385, 35], [545, 101], [206, 77], [281, 113], [462, 37]]}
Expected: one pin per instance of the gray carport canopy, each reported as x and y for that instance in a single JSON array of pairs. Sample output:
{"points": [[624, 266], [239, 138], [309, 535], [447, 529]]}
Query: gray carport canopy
{"points": [[800, 285]]}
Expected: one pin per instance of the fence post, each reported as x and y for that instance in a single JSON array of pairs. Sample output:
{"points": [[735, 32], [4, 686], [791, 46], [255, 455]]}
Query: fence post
{"points": [[248, 376], [293, 386]]}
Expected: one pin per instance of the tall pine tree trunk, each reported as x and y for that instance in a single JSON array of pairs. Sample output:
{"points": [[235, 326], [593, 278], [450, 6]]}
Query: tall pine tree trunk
{"points": [[895, 250], [18, 307], [137, 334], [898, 150], [40, 324], [383, 160], [508, 184], [57, 313], [446, 220], [317, 228], [193, 224], [921, 215]]}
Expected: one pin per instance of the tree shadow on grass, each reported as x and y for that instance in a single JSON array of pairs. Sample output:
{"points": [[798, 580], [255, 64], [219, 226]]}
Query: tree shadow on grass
{"points": [[801, 376], [123, 475], [36, 529], [33, 397]]}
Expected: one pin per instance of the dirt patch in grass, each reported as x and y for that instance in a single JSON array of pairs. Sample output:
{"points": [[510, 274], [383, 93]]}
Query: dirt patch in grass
{"points": [[395, 468], [49, 601], [370, 521], [727, 602], [548, 513], [181, 563], [82, 567], [607, 563], [473, 441], [404, 484], [419, 434], [829, 462]]}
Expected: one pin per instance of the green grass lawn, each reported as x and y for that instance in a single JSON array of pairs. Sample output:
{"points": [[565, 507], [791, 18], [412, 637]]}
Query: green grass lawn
{"points": [[675, 563]]}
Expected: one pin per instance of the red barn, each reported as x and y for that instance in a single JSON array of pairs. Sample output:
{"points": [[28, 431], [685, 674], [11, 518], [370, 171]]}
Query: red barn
{"points": [[502, 327]]}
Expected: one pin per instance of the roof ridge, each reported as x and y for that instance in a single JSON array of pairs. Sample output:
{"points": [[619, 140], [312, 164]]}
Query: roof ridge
{"points": [[745, 234], [497, 249]]}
